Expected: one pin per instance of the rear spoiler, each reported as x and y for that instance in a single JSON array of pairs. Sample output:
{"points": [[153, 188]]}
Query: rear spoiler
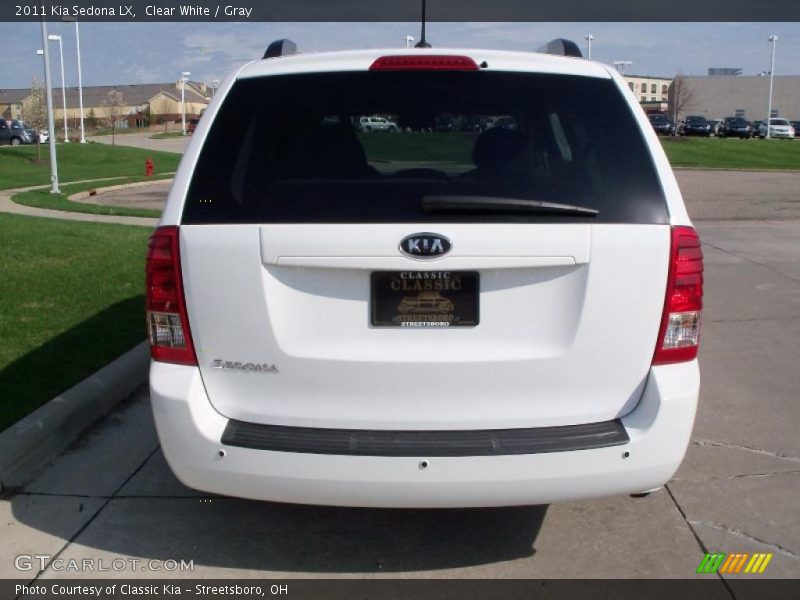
{"points": [[561, 47]]}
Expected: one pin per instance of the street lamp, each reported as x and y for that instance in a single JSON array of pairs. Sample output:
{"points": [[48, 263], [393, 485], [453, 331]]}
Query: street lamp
{"points": [[80, 80], [49, 97], [57, 38], [621, 64], [773, 38], [70, 19], [589, 39], [184, 79]]}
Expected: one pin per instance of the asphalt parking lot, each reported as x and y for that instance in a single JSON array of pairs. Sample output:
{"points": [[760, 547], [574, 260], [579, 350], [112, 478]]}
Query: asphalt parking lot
{"points": [[112, 496]]}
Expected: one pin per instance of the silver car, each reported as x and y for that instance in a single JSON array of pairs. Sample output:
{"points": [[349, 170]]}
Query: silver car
{"points": [[778, 128]]}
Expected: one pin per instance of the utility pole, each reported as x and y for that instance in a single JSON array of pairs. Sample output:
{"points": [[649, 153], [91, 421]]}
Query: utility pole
{"points": [[50, 124]]}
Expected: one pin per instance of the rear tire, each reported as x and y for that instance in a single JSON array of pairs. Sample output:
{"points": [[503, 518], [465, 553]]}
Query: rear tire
{"points": [[15, 141]]}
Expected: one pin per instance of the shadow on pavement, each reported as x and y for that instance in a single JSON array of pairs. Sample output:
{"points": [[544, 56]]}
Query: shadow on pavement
{"points": [[244, 535]]}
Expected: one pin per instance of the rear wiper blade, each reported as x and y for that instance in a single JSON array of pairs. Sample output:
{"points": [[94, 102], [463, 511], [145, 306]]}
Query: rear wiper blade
{"points": [[500, 204]]}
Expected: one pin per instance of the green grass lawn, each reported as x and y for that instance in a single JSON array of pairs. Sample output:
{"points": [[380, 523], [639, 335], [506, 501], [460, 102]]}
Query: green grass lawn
{"points": [[77, 162], [72, 301], [429, 147], [733, 153], [42, 198], [682, 152]]}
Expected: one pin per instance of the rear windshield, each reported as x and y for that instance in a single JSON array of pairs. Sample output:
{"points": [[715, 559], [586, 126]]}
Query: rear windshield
{"points": [[366, 147]]}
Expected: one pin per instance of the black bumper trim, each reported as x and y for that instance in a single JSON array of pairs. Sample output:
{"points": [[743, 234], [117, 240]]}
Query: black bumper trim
{"points": [[365, 442]]}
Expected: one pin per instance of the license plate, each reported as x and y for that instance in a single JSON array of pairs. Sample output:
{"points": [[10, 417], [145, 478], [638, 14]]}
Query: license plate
{"points": [[424, 299]]}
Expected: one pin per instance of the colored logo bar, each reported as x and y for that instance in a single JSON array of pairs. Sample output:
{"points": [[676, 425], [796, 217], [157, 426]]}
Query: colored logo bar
{"points": [[735, 562]]}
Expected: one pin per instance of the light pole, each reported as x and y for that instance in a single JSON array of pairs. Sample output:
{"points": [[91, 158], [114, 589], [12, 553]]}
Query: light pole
{"points": [[773, 38], [589, 39], [80, 80], [57, 38], [184, 79], [51, 126], [621, 64]]}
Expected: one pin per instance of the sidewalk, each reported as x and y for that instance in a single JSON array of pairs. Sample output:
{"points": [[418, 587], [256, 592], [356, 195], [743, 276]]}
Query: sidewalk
{"points": [[7, 205]]}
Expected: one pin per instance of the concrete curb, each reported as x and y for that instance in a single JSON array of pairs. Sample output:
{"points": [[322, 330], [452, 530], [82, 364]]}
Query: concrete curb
{"points": [[28, 445]]}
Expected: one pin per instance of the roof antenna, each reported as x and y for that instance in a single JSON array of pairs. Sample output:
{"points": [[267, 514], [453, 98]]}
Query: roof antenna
{"points": [[422, 43]]}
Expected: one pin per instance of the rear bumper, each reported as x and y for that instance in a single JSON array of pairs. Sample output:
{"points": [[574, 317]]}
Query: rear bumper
{"points": [[190, 431]]}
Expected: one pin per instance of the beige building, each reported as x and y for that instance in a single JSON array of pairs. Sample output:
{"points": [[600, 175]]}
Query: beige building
{"points": [[652, 92], [141, 104], [11, 103], [717, 97]]}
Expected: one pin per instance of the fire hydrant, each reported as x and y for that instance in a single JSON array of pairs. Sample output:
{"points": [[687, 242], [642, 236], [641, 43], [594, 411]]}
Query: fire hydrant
{"points": [[148, 167]]}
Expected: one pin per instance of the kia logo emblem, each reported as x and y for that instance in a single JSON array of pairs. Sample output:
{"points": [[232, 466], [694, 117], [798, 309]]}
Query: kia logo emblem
{"points": [[425, 245]]}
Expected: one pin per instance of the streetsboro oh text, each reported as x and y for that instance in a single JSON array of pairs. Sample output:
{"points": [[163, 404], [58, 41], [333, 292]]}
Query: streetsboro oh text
{"points": [[166, 589]]}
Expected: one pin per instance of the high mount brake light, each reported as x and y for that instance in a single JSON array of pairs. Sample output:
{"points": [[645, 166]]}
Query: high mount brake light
{"points": [[679, 335], [167, 321], [424, 63]]}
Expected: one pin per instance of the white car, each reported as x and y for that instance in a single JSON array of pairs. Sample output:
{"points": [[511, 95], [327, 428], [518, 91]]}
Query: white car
{"points": [[560, 362], [778, 128], [44, 136], [370, 124]]}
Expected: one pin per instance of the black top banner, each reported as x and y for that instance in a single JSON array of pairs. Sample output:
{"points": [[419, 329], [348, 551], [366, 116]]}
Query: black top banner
{"points": [[401, 10]]}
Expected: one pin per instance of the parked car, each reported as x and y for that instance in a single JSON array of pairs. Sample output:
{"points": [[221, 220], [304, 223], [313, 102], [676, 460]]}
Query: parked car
{"points": [[778, 128], [695, 125], [795, 126], [662, 124], [564, 365], [30, 132], [44, 136], [756, 126], [505, 123], [13, 133], [370, 124], [445, 123], [714, 125], [192, 125], [735, 127]]}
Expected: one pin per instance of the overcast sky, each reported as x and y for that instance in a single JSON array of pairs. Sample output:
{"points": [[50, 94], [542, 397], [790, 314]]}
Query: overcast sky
{"points": [[116, 53]]}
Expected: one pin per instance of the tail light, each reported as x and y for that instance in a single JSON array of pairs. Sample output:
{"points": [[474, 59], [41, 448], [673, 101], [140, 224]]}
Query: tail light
{"points": [[167, 322], [679, 335], [424, 63]]}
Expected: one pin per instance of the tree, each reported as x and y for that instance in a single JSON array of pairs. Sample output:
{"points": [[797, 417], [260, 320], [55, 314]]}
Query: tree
{"points": [[34, 112], [115, 108], [681, 96], [91, 119]]}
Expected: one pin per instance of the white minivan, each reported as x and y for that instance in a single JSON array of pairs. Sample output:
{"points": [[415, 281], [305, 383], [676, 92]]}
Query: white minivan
{"points": [[431, 318]]}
